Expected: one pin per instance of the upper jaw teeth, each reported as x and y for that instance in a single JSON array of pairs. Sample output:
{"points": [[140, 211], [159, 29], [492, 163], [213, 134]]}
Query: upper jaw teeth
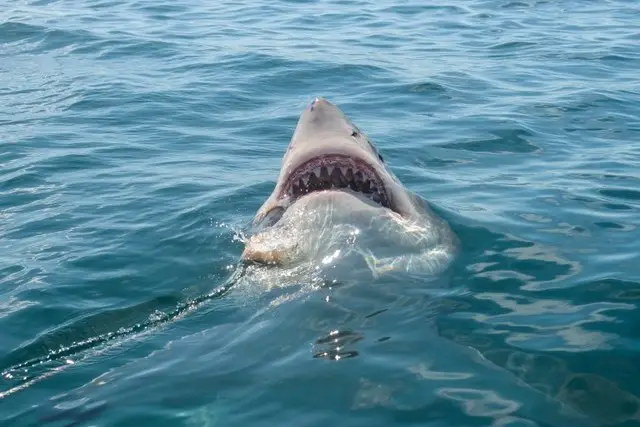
{"points": [[328, 177]]}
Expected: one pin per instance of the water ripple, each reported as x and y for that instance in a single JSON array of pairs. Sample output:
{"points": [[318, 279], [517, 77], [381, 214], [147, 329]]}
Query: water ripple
{"points": [[137, 139]]}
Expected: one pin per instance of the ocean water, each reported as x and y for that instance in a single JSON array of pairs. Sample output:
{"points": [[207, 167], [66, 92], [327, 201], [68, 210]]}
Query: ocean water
{"points": [[137, 140]]}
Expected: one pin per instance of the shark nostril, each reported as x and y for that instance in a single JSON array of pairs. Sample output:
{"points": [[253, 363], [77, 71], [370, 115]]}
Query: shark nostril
{"points": [[314, 103]]}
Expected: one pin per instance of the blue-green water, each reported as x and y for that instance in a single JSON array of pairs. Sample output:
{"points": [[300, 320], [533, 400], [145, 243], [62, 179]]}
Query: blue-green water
{"points": [[137, 139]]}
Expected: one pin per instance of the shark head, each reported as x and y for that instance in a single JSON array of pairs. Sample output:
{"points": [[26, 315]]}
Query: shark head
{"points": [[329, 153], [333, 183]]}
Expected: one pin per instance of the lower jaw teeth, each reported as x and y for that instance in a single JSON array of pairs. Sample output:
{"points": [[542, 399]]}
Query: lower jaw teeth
{"points": [[365, 189], [326, 178]]}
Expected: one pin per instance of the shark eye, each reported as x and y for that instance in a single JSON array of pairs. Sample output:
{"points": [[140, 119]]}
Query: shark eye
{"points": [[355, 133]]}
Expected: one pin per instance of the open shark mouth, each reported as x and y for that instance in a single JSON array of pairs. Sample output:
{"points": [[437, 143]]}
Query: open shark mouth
{"points": [[336, 172]]}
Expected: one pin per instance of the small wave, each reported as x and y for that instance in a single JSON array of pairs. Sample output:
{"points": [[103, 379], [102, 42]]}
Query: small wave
{"points": [[66, 346], [506, 141]]}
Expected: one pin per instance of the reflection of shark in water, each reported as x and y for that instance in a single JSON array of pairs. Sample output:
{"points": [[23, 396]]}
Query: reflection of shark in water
{"points": [[336, 200], [216, 374]]}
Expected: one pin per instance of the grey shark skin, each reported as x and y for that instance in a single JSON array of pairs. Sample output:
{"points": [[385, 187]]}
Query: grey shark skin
{"points": [[335, 196]]}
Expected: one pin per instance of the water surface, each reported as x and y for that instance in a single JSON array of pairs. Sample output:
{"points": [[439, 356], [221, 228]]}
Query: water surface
{"points": [[138, 138]]}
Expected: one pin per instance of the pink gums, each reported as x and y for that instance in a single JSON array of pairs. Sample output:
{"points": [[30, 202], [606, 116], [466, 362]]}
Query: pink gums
{"points": [[334, 160]]}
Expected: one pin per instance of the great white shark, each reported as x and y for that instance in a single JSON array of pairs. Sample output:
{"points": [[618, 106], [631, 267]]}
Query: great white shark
{"points": [[335, 200]]}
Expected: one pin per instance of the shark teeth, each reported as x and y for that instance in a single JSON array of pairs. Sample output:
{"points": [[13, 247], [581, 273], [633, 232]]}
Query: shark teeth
{"points": [[339, 177]]}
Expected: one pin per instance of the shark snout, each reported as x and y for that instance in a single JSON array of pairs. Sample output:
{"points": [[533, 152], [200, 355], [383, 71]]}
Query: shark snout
{"points": [[321, 110], [322, 117], [319, 102]]}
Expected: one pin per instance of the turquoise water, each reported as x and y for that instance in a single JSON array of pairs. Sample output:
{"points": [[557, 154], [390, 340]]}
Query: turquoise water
{"points": [[137, 140]]}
